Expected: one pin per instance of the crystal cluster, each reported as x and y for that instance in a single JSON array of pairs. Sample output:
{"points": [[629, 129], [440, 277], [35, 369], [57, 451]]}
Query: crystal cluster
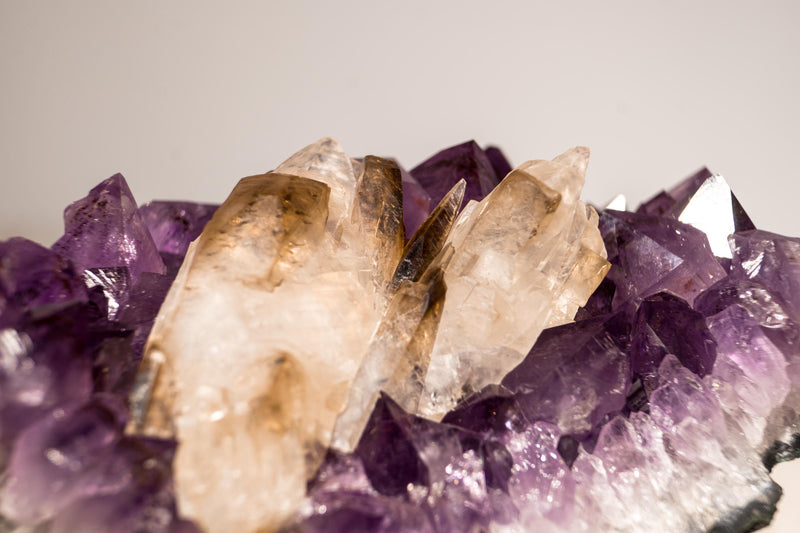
{"points": [[344, 345], [73, 322]]}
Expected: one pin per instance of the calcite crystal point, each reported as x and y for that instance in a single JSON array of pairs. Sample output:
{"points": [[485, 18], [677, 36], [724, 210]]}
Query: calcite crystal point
{"points": [[285, 294], [505, 286]]}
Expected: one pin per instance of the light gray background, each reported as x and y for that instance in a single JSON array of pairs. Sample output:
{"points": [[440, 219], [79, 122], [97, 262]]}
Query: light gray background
{"points": [[185, 97]]}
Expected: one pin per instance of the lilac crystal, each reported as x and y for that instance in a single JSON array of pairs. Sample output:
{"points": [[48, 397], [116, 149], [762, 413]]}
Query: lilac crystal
{"points": [[678, 384], [174, 225]]}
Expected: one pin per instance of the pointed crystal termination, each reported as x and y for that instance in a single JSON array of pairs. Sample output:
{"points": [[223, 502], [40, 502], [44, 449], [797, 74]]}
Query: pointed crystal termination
{"points": [[713, 209], [174, 225], [398, 356], [270, 409], [215, 308], [326, 162], [416, 203], [467, 161], [651, 254], [105, 229], [706, 202], [664, 201], [427, 242], [549, 246], [499, 162], [378, 216]]}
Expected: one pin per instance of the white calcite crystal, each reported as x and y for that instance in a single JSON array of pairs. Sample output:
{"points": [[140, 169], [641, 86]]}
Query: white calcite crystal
{"points": [[300, 303]]}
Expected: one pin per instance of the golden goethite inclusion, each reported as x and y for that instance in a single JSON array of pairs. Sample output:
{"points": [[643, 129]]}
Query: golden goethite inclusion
{"points": [[300, 302]]}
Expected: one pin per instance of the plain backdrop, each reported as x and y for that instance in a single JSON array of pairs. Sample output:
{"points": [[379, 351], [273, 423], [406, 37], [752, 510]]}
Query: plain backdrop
{"points": [[186, 97]]}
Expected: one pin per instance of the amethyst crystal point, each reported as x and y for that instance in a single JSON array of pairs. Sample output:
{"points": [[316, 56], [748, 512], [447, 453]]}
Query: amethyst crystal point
{"points": [[663, 202], [713, 209], [416, 203], [666, 324], [31, 276], [105, 229], [390, 459], [453, 478], [575, 374], [770, 259], [499, 162], [173, 225], [467, 161], [705, 201], [650, 254]]}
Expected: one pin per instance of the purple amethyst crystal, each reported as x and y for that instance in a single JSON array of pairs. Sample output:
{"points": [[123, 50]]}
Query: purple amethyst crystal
{"points": [[650, 254], [575, 375], [439, 173], [412, 474], [73, 322], [105, 229], [498, 161], [32, 276], [416, 203], [174, 225], [663, 202], [678, 369], [665, 324]]}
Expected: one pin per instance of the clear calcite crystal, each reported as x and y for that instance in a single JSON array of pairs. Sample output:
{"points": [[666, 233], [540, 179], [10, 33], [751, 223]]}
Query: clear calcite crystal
{"points": [[524, 258], [288, 300]]}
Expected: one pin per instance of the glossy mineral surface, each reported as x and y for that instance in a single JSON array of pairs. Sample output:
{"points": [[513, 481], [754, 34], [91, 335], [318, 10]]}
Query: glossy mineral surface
{"points": [[344, 345]]}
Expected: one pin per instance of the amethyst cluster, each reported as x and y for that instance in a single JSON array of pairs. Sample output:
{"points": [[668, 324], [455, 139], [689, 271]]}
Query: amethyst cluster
{"points": [[665, 404], [73, 322]]}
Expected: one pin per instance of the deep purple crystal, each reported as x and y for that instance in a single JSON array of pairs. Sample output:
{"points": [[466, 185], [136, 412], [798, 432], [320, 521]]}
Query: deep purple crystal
{"points": [[650, 254], [73, 323], [665, 324], [499, 162], [439, 173], [663, 202], [575, 375], [32, 276], [105, 229], [416, 203]]}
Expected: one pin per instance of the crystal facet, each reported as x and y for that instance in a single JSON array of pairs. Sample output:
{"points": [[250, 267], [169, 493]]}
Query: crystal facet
{"points": [[105, 229]]}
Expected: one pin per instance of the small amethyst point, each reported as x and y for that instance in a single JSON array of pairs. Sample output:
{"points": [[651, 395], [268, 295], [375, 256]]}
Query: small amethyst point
{"points": [[439, 173], [105, 229]]}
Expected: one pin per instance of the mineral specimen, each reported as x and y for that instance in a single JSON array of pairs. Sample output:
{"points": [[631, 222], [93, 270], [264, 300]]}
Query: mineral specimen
{"points": [[345, 348]]}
